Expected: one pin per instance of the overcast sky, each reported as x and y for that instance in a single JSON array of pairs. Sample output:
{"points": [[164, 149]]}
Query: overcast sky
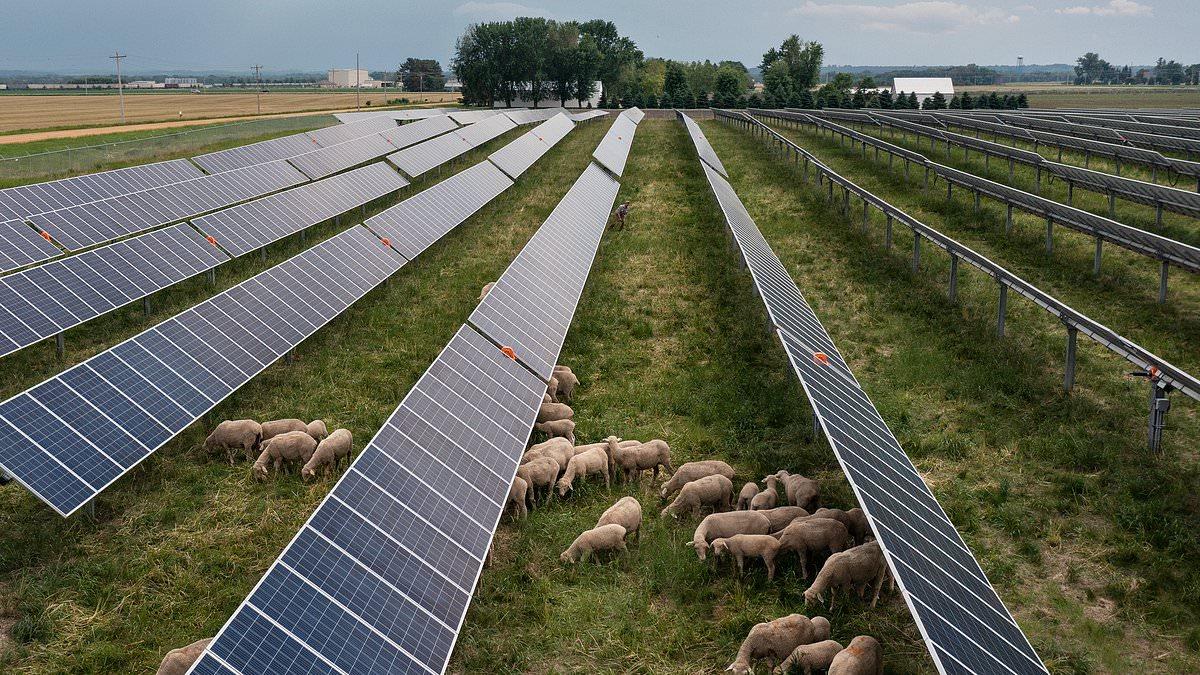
{"points": [[164, 35]]}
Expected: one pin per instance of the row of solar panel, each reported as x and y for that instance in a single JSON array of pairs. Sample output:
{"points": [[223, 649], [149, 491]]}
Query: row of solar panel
{"points": [[287, 147], [964, 622], [23, 201], [379, 578], [1132, 238], [613, 149], [1156, 136], [418, 159], [62, 455]]}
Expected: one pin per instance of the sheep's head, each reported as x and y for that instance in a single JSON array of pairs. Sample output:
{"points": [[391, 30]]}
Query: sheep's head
{"points": [[308, 473], [566, 558], [564, 486], [701, 547], [260, 472], [782, 474], [739, 667], [612, 440], [820, 628]]}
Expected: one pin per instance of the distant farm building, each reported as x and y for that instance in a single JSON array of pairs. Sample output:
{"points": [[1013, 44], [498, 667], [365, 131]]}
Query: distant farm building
{"points": [[923, 87], [348, 77]]}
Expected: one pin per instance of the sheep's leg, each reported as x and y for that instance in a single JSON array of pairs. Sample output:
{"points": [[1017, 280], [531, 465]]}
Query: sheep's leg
{"points": [[770, 562], [741, 561], [878, 586], [803, 565]]}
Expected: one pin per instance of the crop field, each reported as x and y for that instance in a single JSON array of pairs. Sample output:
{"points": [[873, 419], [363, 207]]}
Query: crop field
{"points": [[54, 111], [1091, 540], [1055, 95]]}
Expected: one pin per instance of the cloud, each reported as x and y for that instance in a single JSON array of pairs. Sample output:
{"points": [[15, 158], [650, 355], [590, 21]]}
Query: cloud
{"points": [[1113, 8], [497, 10], [929, 17]]}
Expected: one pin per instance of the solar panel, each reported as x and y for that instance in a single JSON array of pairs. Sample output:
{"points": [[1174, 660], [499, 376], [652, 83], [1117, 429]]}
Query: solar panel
{"points": [[434, 152], [255, 224], [520, 154], [398, 115], [531, 116], [29, 200], [702, 145], [614, 147], [340, 133], [335, 158], [1152, 194], [71, 436], [417, 222], [20, 245], [963, 620], [472, 116], [43, 301], [586, 115], [408, 134], [256, 153], [485, 130], [531, 305], [634, 114], [82, 226]]}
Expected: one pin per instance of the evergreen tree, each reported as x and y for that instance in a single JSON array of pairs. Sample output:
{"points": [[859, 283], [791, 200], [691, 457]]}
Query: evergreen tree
{"points": [[967, 102], [994, 101], [701, 98], [806, 100], [666, 101], [1010, 102], [755, 101], [955, 102], [913, 103], [651, 100], [858, 100], [728, 89], [885, 99], [935, 102], [676, 89], [1022, 100]]}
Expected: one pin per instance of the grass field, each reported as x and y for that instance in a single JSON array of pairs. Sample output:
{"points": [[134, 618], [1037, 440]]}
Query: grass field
{"points": [[1057, 95], [67, 111], [1091, 542]]}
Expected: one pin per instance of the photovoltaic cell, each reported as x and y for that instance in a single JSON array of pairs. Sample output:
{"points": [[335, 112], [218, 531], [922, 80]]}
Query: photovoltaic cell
{"points": [[20, 245], [29, 200], [340, 133], [485, 130], [256, 153], [702, 146], [520, 154], [531, 116], [335, 158], [614, 147], [418, 159]]}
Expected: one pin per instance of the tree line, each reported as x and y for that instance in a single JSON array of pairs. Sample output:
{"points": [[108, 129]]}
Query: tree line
{"points": [[1091, 69]]}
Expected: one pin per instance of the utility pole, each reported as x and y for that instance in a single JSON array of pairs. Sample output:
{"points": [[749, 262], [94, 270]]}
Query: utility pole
{"points": [[258, 92], [117, 56], [357, 83]]}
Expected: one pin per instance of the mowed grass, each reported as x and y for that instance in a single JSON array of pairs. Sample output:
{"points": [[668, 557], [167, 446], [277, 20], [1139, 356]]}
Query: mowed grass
{"points": [[179, 542], [1089, 539]]}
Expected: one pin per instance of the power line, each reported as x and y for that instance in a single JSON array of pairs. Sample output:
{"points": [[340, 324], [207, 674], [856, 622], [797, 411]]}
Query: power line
{"points": [[258, 90], [117, 56]]}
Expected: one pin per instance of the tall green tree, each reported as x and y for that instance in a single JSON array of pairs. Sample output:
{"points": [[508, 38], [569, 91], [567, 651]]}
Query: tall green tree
{"points": [[620, 58], [935, 102], [676, 89], [777, 84], [562, 43], [421, 75], [533, 46], [587, 68], [728, 89]]}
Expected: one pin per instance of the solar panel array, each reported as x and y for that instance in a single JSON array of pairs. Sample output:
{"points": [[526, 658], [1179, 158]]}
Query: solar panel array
{"points": [[585, 115], [707, 154], [255, 224], [23, 201], [398, 115], [379, 578], [614, 147], [472, 116], [20, 245], [262, 152], [335, 158], [519, 155], [1133, 133], [422, 157], [95, 223], [340, 133], [531, 116], [965, 624]]}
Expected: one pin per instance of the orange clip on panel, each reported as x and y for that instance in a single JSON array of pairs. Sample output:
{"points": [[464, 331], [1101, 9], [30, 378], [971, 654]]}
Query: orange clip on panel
{"points": [[508, 351], [45, 235], [387, 242], [212, 240], [821, 358]]}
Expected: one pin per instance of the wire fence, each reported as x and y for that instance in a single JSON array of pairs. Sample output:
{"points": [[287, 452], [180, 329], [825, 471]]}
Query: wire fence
{"points": [[28, 168]]}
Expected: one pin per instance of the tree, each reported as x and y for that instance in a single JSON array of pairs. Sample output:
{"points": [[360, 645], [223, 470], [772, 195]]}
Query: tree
{"points": [[966, 102], [858, 100], [935, 102], [728, 89], [675, 86], [792, 68], [913, 104], [619, 57], [1022, 100], [586, 68], [1090, 68], [1168, 72], [885, 99], [562, 42], [421, 75], [777, 82], [955, 103]]}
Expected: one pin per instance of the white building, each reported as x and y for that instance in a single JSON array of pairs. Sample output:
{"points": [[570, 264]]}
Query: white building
{"points": [[924, 87], [181, 81], [348, 78], [519, 101]]}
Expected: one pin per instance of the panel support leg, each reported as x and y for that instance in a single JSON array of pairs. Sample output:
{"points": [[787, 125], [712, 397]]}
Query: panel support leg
{"points": [[146, 305], [1158, 214], [977, 202], [866, 215], [953, 278], [1069, 371], [262, 254], [1070, 193], [1049, 236], [887, 237], [212, 277], [1099, 255], [1002, 311], [1112, 206], [916, 261], [1160, 403], [1162, 283], [60, 345], [1008, 220]]}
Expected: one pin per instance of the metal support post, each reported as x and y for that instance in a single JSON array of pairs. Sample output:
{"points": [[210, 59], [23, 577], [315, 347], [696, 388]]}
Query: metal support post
{"points": [[59, 345], [1003, 310], [1099, 254], [887, 237], [916, 262], [1162, 283], [1008, 220], [953, 278], [146, 305], [1049, 236], [1069, 371]]}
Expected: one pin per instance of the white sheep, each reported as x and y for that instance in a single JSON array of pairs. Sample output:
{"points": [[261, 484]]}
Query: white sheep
{"points": [[317, 430], [276, 427], [694, 471], [329, 453], [726, 524], [234, 435], [559, 449], [583, 465], [548, 412], [546, 398], [566, 383], [715, 491], [603, 538], [749, 490], [767, 499], [800, 491], [552, 389], [813, 536], [557, 429], [810, 658], [178, 661], [517, 494], [753, 545], [635, 459], [863, 656], [627, 513], [782, 516], [776, 640], [857, 568], [486, 288], [854, 520], [291, 447], [539, 473]]}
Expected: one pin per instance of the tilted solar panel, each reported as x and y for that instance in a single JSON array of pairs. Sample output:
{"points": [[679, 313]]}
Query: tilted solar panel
{"points": [[419, 158], [256, 153], [98, 222], [340, 133], [20, 245], [634, 114], [531, 116], [335, 158], [408, 134], [71, 436], [586, 115], [614, 147], [417, 222], [29, 200], [472, 116], [244, 228], [701, 142], [520, 154], [531, 305], [485, 130], [398, 115]]}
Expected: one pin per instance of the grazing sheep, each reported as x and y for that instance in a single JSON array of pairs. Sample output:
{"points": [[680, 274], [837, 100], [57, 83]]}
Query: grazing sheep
{"points": [[558, 449], [800, 491], [715, 491], [317, 430], [855, 568], [813, 535], [727, 524], [603, 538], [178, 661], [782, 516], [767, 499], [583, 465], [809, 658], [776, 640], [552, 388], [517, 494], [539, 473], [329, 453], [633, 460], [754, 545], [233, 435], [749, 490], [566, 383], [557, 429], [864, 656], [694, 471], [548, 412], [603, 446], [486, 288], [627, 513], [275, 427], [859, 528], [293, 446], [546, 398]]}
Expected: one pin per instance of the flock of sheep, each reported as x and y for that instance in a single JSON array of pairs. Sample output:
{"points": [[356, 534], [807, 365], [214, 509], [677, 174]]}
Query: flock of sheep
{"points": [[279, 444], [781, 518]]}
